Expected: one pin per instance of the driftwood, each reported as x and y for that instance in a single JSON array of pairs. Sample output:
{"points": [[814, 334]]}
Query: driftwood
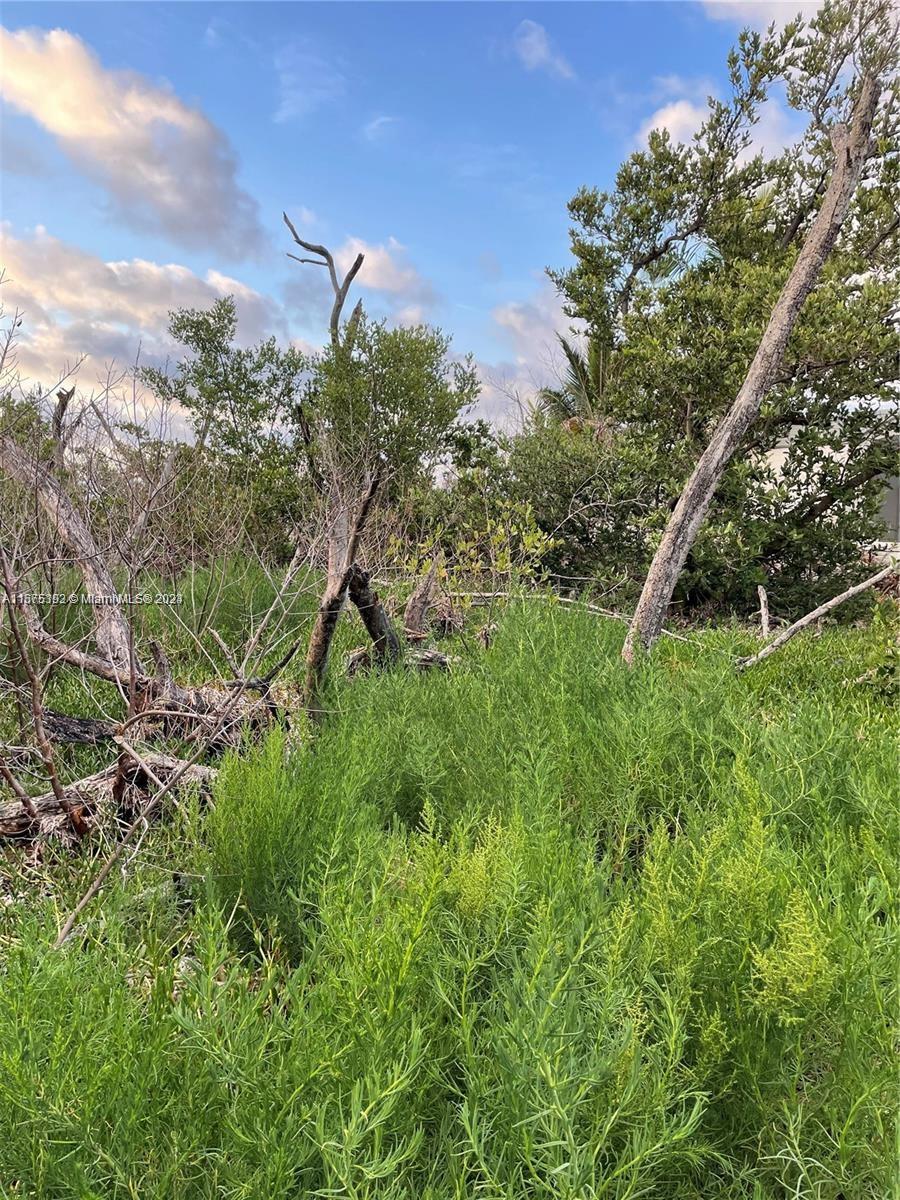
{"points": [[852, 146], [361, 660], [94, 797], [792, 630]]}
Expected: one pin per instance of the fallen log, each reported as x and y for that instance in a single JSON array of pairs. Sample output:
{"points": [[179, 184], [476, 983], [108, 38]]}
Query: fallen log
{"points": [[95, 798], [360, 660], [81, 731]]}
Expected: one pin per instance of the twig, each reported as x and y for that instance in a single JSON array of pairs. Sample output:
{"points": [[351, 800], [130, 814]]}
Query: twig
{"points": [[37, 703], [17, 789]]}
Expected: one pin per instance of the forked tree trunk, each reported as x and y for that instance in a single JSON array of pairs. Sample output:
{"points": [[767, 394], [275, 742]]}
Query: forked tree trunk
{"points": [[851, 148], [343, 546]]}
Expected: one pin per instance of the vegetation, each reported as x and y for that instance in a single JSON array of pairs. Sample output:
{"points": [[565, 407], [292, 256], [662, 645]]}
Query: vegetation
{"points": [[474, 909], [541, 928]]}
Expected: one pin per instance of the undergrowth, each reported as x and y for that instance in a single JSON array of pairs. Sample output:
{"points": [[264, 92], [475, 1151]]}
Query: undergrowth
{"points": [[540, 928]]}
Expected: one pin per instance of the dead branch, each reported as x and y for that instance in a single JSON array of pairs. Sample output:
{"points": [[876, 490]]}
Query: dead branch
{"points": [[763, 612], [340, 288], [792, 630], [385, 643], [111, 628], [17, 790], [94, 797], [37, 700]]}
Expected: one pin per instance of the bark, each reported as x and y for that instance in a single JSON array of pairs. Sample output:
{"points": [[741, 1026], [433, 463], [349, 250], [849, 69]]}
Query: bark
{"points": [[93, 797], [851, 147], [415, 616], [342, 551], [165, 707], [360, 660], [111, 629], [792, 630], [340, 288], [81, 731], [385, 643], [763, 612]]}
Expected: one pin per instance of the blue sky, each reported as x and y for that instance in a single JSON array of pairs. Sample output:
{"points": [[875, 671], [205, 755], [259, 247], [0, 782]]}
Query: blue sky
{"points": [[150, 148]]}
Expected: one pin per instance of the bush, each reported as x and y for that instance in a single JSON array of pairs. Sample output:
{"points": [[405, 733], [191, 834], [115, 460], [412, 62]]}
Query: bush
{"points": [[544, 928]]}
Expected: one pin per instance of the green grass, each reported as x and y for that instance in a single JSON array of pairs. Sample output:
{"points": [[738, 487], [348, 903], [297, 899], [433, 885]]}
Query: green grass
{"points": [[542, 928]]}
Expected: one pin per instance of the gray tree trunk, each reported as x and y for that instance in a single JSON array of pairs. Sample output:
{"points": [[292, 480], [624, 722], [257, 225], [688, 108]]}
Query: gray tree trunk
{"points": [[851, 148]]}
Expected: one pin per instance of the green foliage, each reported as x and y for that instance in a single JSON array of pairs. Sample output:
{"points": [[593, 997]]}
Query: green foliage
{"points": [[541, 928], [394, 396], [676, 271], [237, 397]]}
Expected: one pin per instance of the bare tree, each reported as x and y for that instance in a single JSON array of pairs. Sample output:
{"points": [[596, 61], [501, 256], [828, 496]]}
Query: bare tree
{"points": [[346, 509]]}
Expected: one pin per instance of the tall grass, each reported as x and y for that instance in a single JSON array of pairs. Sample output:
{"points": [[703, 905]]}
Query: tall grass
{"points": [[542, 928]]}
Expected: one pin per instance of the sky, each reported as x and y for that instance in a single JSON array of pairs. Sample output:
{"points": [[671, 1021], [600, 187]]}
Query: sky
{"points": [[148, 150]]}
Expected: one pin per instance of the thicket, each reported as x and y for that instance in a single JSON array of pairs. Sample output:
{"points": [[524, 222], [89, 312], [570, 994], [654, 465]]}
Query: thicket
{"points": [[543, 927]]}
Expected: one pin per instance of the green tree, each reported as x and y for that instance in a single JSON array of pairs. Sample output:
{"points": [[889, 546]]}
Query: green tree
{"points": [[245, 406], [392, 398], [676, 271], [578, 401]]}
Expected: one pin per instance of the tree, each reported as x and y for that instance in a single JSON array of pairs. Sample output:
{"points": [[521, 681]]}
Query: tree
{"points": [[381, 406], [679, 269], [578, 402], [246, 408]]}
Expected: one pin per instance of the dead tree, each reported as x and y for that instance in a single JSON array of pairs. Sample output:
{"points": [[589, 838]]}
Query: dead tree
{"points": [[415, 615], [111, 630], [345, 519], [852, 145]]}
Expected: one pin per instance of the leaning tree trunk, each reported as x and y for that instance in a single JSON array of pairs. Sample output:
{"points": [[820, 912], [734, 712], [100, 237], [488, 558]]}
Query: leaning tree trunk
{"points": [[851, 148]]}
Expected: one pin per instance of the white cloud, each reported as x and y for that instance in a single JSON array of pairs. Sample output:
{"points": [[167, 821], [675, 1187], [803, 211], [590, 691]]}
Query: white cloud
{"points": [[163, 165], [410, 314], [530, 328], [760, 13], [74, 303], [386, 269], [306, 81], [777, 127], [682, 118], [531, 325], [377, 129], [535, 51]]}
